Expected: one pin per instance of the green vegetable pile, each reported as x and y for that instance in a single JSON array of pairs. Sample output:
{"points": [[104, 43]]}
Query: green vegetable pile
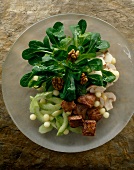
{"points": [[46, 104], [50, 60]]}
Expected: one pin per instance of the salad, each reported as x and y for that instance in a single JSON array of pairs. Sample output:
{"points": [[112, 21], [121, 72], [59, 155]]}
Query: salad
{"points": [[71, 75]]}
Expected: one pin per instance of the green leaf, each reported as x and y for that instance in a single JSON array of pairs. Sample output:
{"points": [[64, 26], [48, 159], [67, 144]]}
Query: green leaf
{"points": [[46, 42], [56, 34], [39, 82], [53, 39], [84, 39], [60, 55], [35, 60], [71, 47], [25, 79], [64, 43], [95, 79], [95, 38], [82, 59], [58, 31], [76, 31], [83, 25], [80, 89], [35, 44], [108, 76], [49, 70], [47, 58], [31, 52], [77, 74], [58, 26], [68, 93], [103, 46], [81, 49], [95, 64]]}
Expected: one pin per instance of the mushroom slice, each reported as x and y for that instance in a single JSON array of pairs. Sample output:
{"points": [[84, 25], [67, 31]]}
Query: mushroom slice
{"points": [[111, 96], [108, 104], [108, 57], [102, 101], [110, 66], [91, 88], [94, 88], [100, 89]]}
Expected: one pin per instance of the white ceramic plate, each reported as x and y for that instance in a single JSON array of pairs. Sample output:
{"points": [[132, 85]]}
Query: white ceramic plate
{"points": [[17, 98]]}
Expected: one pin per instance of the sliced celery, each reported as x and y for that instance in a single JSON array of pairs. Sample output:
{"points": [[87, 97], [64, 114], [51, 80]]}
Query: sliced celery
{"points": [[64, 125], [43, 129]]}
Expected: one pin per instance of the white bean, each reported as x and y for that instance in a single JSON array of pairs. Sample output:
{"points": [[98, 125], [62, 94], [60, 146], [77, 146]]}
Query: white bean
{"points": [[56, 92], [96, 103], [46, 117], [102, 110], [47, 124], [106, 115], [32, 116], [98, 94], [66, 132]]}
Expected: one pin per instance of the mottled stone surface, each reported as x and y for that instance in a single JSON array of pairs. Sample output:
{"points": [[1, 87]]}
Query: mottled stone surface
{"points": [[16, 150]]}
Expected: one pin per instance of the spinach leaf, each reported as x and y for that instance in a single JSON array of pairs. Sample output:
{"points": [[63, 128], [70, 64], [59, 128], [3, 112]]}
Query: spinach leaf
{"points": [[60, 55], [38, 83], [84, 39], [25, 79], [35, 44], [64, 43], [76, 31], [82, 59], [95, 64], [58, 26], [53, 39], [108, 76], [81, 89], [56, 34], [76, 74], [49, 70], [48, 60], [68, 93], [94, 39], [103, 46], [81, 49], [59, 30], [85, 69], [35, 60], [71, 47], [46, 42], [95, 79], [83, 25], [31, 52]]}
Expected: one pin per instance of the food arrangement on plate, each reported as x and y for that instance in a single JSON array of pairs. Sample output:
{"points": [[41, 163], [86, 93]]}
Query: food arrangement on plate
{"points": [[71, 75]]}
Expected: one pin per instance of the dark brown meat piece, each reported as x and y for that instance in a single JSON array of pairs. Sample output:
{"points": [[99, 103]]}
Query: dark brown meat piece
{"points": [[94, 114], [87, 99], [68, 106], [89, 128], [81, 109], [75, 121]]}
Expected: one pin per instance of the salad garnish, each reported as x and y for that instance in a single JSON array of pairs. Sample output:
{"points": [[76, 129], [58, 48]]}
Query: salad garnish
{"points": [[72, 74]]}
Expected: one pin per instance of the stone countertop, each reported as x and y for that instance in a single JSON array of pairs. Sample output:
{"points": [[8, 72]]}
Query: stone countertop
{"points": [[16, 150]]}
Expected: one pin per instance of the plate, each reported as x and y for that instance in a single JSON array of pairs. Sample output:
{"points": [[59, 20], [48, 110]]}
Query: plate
{"points": [[17, 98]]}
